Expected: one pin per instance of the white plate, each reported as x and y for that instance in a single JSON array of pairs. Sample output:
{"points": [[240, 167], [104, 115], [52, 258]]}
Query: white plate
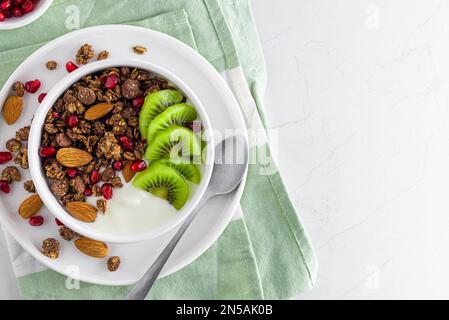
{"points": [[223, 111]]}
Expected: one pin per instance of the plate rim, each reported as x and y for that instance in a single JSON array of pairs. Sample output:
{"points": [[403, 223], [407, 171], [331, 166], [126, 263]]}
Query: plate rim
{"points": [[236, 195]]}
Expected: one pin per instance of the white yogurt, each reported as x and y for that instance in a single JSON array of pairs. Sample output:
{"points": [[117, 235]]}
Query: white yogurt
{"points": [[133, 210]]}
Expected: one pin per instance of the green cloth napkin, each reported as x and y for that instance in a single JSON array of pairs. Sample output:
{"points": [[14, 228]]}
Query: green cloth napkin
{"points": [[265, 254]]}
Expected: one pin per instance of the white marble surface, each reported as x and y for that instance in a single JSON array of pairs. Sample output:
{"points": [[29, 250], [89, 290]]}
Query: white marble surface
{"points": [[358, 92]]}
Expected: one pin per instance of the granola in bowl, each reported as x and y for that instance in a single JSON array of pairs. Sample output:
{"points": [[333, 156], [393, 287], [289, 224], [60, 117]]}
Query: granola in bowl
{"points": [[120, 147], [97, 115]]}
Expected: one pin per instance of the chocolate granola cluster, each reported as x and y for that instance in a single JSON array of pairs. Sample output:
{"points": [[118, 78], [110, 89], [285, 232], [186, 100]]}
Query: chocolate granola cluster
{"points": [[113, 138]]}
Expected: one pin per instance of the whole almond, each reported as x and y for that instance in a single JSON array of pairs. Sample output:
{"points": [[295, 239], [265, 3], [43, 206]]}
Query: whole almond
{"points": [[73, 157], [128, 174], [82, 211], [93, 248], [30, 206], [99, 110], [12, 108]]}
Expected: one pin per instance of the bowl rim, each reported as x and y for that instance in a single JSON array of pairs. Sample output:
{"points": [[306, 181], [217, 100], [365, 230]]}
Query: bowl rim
{"points": [[22, 21], [39, 177]]}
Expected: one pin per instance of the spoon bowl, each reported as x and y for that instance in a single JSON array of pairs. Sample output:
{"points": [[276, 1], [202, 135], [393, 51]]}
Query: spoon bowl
{"points": [[230, 164]]}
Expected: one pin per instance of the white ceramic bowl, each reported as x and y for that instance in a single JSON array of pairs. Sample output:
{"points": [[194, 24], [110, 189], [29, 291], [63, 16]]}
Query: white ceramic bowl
{"points": [[14, 23], [39, 178]]}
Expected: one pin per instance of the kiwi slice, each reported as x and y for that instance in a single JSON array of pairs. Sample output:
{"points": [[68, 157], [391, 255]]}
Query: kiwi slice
{"points": [[164, 182], [178, 114], [189, 170], [173, 142], [156, 103]]}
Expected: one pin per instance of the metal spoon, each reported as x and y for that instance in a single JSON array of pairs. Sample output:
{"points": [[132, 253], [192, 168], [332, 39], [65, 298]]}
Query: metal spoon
{"points": [[231, 162]]}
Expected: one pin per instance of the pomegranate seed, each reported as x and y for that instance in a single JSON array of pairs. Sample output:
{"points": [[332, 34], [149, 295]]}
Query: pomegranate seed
{"points": [[5, 5], [71, 172], [19, 2], [117, 165], [41, 97], [111, 81], [138, 102], [55, 115], [138, 165], [94, 176], [8, 13], [70, 66], [88, 192], [103, 79], [36, 221], [126, 143], [46, 152], [27, 6], [4, 186], [72, 121], [2, 16], [106, 190], [17, 12], [32, 86], [5, 156], [59, 223]]}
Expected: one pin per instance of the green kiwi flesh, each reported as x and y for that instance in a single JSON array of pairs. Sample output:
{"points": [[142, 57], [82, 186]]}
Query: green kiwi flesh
{"points": [[155, 103], [164, 182], [189, 170], [178, 114], [173, 142]]}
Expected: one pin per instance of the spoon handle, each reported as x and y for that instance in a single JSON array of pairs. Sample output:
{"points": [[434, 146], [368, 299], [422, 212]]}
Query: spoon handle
{"points": [[144, 285]]}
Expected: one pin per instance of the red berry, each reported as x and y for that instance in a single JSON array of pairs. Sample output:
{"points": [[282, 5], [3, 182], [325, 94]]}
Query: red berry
{"points": [[5, 5], [32, 86], [36, 221], [72, 121], [2, 16], [106, 190], [71, 172], [5, 156], [17, 12], [138, 102], [103, 79], [111, 81], [126, 143], [55, 115], [8, 13], [138, 165], [59, 223], [46, 152], [88, 192], [41, 97], [70, 66], [94, 176], [27, 6], [117, 165], [4, 186]]}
